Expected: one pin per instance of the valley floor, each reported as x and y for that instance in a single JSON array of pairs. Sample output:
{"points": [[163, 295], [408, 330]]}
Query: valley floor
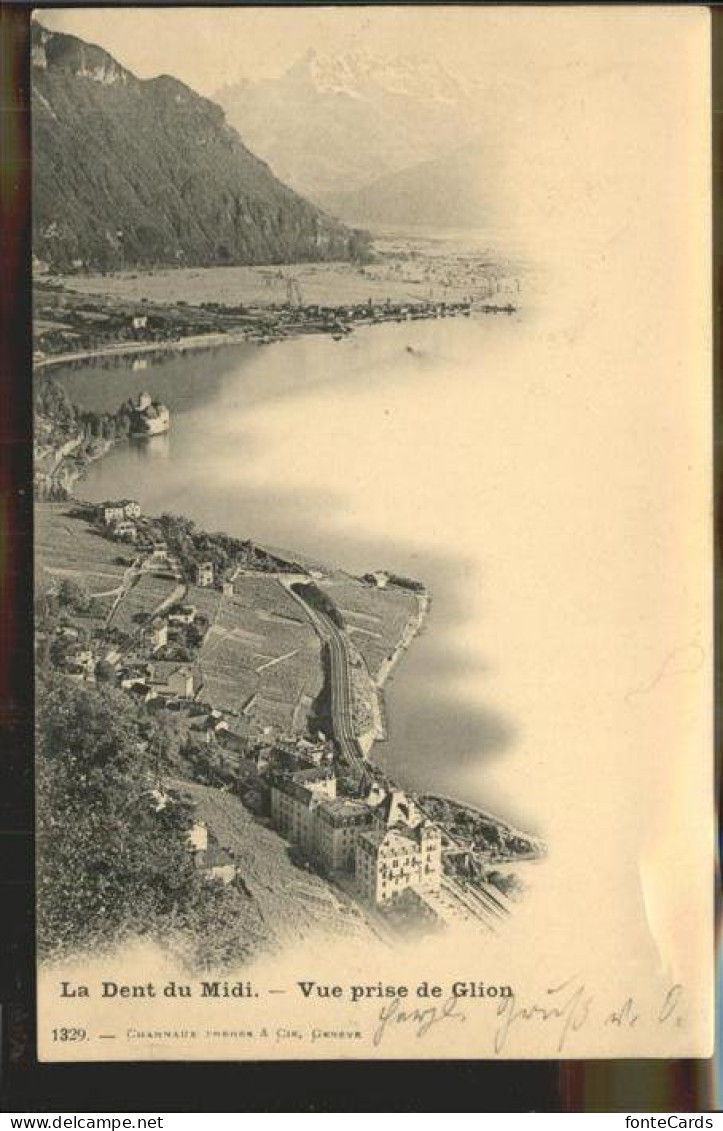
{"points": [[81, 315]]}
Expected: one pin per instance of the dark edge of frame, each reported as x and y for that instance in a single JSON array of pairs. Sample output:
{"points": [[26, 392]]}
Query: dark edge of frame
{"points": [[26, 1085]]}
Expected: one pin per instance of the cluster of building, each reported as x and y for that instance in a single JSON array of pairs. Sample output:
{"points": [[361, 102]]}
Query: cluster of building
{"points": [[82, 657], [173, 686], [61, 326], [164, 680], [122, 519], [210, 857], [120, 511], [382, 839]]}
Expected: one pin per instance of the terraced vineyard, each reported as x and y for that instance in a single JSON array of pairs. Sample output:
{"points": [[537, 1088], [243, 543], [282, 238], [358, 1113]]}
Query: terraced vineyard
{"points": [[205, 601], [66, 545], [375, 618], [229, 678], [266, 595], [149, 591], [261, 656]]}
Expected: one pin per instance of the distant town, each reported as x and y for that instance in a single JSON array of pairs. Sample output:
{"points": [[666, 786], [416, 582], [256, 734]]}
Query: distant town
{"points": [[68, 325]]}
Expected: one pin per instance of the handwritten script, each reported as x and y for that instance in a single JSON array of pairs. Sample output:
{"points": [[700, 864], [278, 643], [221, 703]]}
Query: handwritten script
{"points": [[558, 1013], [418, 1021], [567, 1008]]}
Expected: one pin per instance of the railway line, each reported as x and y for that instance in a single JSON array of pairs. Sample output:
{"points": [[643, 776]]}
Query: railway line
{"points": [[339, 682]]}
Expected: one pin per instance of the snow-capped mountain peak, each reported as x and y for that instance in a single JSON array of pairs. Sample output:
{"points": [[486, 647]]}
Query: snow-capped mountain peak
{"points": [[358, 74], [335, 122]]}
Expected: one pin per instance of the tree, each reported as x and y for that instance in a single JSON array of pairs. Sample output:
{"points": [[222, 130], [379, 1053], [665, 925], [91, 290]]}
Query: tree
{"points": [[54, 402], [44, 609], [110, 863], [91, 425], [360, 246], [73, 595], [194, 636], [104, 672], [58, 651], [123, 422], [203, 761]]}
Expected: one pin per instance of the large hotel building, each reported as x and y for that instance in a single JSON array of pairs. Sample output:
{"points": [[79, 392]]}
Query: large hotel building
{"points": [[383, 840]]}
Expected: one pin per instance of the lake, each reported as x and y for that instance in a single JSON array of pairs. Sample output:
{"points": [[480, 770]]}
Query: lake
{"points": [[431, 448], [314, 445]]}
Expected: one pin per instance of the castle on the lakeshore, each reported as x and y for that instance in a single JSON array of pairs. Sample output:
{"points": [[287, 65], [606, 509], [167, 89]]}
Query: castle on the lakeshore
{"points": [[150, 418]]}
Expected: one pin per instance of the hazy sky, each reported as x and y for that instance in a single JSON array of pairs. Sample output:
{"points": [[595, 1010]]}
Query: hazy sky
{"points": [[207, 47]]}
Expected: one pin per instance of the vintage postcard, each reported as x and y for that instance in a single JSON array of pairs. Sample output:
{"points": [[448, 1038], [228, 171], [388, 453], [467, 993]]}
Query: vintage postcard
{"points": [[372, 442]]}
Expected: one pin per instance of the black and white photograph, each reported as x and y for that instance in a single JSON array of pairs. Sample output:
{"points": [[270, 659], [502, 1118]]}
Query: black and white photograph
{"points": [[372, 598]]}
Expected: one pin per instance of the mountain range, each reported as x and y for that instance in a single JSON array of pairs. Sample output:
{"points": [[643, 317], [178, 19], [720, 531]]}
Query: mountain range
{"points": [[138, 172], [333, 126], [453, 190]]}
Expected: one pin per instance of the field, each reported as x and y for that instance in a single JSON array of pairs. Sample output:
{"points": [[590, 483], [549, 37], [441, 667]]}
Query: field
{"points": [[205, 601], [407, 270], [144, 597], [267, 598], [67, 546], [375, 618], [261, 656]]}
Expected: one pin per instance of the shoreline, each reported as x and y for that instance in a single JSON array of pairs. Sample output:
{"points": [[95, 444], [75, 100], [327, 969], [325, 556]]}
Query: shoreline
{"points": [[67, 480], [493, 819], [193, 308], [411, 630], [126, 349], [423, 598]]}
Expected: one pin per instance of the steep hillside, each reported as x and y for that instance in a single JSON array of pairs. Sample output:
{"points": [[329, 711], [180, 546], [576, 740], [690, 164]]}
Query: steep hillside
{"points": [[130, 172], [331, 124], [452, 191]]}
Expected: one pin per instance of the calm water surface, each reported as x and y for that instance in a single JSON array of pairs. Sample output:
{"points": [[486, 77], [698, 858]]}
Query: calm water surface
{"points": [[386, 450]]}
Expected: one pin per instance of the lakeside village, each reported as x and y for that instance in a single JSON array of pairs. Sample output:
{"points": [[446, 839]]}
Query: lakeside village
{"points": [[67, 323], [173, 599]]}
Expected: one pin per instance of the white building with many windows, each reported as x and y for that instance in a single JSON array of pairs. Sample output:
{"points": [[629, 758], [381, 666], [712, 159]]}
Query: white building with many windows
{"points": [[391, 861], [337, 825], [385, 841], [294, 799]]}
